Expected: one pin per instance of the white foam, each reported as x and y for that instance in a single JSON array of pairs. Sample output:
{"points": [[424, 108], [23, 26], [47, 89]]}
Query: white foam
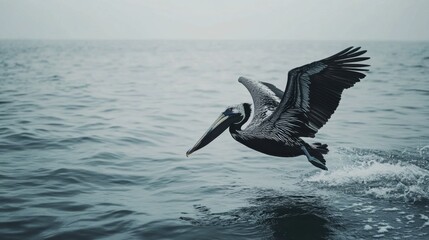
{"points": [[366, 209], [422, 150], [391, 209], [384, 228], [378, 179], [367, 227]]}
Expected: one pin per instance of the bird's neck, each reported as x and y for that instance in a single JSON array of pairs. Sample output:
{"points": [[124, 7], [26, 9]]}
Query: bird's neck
{"points": [[235, 127]]}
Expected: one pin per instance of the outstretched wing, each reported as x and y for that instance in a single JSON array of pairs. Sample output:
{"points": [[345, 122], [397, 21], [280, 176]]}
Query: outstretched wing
{"points": [[266, 98], [313, 93]]}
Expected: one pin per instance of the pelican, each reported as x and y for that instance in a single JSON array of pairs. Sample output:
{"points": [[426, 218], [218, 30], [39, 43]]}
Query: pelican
{"points": [[281, 119]]}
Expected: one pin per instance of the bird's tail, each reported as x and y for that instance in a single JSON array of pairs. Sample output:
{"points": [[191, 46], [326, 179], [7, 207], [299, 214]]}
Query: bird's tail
{"points": [[321, 148]]}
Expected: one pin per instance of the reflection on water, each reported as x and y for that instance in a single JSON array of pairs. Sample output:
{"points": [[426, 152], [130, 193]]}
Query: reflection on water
{"points": [[275, 216], [297, 217]]}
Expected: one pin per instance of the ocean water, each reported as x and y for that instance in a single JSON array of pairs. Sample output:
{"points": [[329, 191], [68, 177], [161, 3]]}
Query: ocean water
{"points": [[93, 136]]}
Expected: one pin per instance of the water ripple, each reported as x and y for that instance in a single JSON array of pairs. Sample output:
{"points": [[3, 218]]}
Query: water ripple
{"points": [[93, 138]]}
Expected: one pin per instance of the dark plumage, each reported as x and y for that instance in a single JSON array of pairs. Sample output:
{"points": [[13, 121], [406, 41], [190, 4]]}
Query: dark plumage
{"points": [[312, 94]]}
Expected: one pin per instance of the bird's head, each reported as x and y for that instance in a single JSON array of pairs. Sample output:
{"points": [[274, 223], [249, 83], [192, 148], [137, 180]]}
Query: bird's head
{"points": [[234, 116]]}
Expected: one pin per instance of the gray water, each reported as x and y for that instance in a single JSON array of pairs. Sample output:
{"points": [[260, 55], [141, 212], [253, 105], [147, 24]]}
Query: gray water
{"points": [[93, 136]]}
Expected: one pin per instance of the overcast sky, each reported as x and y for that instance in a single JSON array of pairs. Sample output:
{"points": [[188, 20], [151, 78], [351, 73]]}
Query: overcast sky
{"points": [[216, 19]]}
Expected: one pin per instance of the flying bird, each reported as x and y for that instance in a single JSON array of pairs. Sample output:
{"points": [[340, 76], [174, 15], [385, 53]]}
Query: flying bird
{"points": [[281, 119]]}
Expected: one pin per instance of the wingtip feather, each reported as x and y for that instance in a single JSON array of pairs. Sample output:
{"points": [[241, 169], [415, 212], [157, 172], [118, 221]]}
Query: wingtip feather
{"points": [[242, 79]]}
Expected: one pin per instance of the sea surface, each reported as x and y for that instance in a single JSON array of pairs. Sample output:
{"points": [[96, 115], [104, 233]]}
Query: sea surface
{"points": [[93, 136]]}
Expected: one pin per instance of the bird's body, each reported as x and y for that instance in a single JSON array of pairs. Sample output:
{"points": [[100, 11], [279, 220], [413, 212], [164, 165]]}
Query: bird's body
{"points": [[280, 118]]}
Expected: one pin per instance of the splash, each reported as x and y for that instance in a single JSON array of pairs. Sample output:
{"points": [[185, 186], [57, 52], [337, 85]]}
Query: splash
{"points": [[423, 150], [379, 177]]}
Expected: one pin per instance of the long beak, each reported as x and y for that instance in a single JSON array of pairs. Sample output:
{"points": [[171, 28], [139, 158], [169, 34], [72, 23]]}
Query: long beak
{"points": [[220, 125]]}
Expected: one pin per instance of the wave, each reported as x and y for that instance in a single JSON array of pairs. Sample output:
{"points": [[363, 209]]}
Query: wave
{"points": [[379, 175]]}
